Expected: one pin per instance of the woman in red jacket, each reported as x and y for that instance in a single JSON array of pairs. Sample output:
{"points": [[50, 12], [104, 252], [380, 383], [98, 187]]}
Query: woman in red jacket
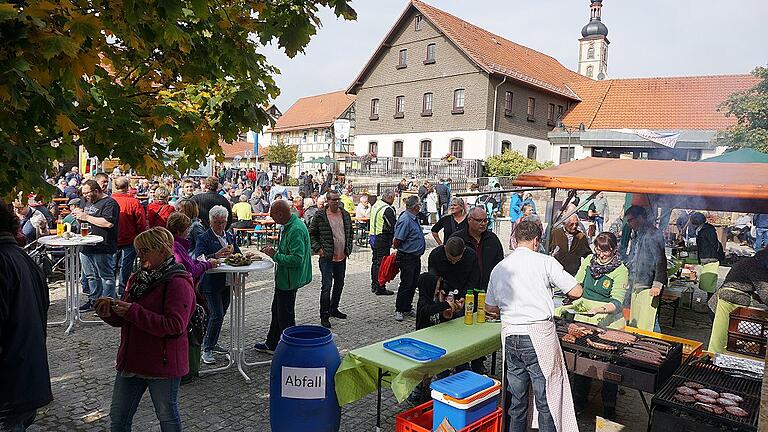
{"points": [[153, 315], [159, 209]]}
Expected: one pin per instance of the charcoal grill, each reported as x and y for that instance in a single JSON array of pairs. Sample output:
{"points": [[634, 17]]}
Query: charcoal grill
{"points": [[610, 366], [669, 414]]}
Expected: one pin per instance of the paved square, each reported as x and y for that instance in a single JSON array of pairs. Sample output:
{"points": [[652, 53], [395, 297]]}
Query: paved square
{"points": [[82, 365]]}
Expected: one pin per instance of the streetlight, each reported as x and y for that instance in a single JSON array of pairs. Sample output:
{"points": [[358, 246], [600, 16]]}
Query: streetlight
{"points": [[570, 130]]}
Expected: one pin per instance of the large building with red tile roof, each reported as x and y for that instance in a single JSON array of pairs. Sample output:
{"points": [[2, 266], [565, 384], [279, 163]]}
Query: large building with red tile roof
{"points": [[437, 84], [310, 124]]}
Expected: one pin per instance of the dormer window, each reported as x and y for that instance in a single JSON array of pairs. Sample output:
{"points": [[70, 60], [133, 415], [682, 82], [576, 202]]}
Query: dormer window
{"points": [[418, 22]]}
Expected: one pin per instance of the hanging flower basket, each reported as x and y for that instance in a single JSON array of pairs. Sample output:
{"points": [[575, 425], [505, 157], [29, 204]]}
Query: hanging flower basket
{"points": [[450, 159]]}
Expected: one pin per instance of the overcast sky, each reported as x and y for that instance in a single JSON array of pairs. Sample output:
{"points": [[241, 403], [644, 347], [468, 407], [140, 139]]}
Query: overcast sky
{"points": [[648, 38]]}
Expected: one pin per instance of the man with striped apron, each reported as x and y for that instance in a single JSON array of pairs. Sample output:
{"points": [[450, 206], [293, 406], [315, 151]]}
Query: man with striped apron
{"points": [[520, 291], [746, 284]]}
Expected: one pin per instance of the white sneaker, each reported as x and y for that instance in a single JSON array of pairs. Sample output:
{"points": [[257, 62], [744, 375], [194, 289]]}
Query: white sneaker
{"points": [[208, 358], [398, 316]]}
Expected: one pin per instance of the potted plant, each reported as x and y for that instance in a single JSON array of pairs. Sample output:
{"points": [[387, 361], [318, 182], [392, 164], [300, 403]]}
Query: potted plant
{"points": [[449, 158]]}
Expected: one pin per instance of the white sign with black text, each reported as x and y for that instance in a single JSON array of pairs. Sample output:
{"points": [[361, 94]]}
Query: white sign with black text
{"points": [[303, 383]]}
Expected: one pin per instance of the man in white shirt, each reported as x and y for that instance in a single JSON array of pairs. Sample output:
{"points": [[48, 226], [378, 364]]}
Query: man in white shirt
{"points": [[520, 290]]}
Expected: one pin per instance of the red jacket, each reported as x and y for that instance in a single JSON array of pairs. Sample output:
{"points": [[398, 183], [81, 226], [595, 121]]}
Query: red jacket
{"points": [[132, 219], [153, 337], [157, 213]]}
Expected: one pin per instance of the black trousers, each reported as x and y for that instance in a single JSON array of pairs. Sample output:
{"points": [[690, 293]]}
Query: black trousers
{"points": [[581, 384], [378, 254], [332, 277], [283, 315], [410, 268]]}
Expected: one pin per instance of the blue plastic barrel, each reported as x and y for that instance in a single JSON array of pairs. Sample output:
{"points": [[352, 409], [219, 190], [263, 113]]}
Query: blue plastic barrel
{"points": [[302, 395]]}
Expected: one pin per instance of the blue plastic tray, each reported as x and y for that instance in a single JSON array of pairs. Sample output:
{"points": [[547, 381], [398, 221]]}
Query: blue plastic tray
{"points": [[415, 350]]}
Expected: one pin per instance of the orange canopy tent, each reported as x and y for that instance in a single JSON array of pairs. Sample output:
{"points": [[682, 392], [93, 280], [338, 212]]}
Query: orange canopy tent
{"points": [[739, 187]]}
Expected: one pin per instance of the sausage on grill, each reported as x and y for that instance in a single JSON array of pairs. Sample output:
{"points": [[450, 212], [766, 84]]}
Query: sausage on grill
{"points": [[733, 397], [705, 399], [726, 402], [738, 412]]}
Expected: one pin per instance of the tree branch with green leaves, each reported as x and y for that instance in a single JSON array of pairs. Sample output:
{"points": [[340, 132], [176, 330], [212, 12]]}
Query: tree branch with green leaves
{"points": [[139, 79], [750, 107]]}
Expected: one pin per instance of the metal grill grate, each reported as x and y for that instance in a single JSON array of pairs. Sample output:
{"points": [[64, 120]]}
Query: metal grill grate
{"points": [[715, 378]]}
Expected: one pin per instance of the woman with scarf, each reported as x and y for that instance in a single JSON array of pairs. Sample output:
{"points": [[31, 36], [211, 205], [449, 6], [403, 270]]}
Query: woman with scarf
{"points": [[153, 316], [604, 280]]}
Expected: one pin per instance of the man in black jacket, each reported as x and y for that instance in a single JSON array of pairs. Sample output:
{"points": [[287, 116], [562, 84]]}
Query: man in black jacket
{"points": [[707, 244], [443, 197], [486, 245], [330, 235], [456, 265], [24, 375], [210, 198]]}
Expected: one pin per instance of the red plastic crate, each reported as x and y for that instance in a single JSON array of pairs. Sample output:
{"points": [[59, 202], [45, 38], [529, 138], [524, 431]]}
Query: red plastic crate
{"points": [[419, 419]]}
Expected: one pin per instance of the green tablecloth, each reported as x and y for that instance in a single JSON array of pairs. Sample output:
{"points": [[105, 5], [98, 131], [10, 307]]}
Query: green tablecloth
{"points": [[358, 373]]}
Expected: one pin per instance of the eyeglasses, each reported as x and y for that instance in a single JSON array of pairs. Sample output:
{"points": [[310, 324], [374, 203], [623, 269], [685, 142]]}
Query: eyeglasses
{"points": [[480, 221]]}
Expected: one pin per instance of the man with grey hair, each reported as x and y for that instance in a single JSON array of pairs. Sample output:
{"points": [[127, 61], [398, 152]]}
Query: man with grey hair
{"points": [[381, 234], [410, 245]]}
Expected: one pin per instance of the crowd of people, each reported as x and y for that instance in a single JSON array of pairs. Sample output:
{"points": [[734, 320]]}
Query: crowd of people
{"points": [[149, 276]]}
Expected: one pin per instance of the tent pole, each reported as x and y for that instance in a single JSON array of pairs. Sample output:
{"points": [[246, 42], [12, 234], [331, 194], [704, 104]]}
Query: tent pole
{"points": [[550, 218]]}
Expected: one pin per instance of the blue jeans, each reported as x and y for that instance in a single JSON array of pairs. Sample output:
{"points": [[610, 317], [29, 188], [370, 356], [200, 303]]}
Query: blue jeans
{"points": [[218, 303], [99, 269], [127, 394], [332, 274], [523, 370], [17, 423], [127, 258], [761, 239], [599, 223]]}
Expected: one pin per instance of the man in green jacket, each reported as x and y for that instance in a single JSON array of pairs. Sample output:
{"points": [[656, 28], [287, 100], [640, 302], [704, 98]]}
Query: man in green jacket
{"points": [[293, 270], [331, 238]]}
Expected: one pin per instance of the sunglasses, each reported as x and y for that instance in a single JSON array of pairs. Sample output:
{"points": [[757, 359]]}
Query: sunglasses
{"points": [[480, 221]]}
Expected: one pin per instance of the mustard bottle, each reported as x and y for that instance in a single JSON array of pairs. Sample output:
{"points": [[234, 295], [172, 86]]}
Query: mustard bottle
{"points": [[480, 307], [469, 307]]}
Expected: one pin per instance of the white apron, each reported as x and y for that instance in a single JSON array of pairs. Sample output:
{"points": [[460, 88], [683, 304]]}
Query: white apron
{"points": [[550, 356]]}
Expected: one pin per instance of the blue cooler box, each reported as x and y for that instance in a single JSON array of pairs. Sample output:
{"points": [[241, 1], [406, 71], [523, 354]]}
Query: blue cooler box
{"points": [[463, 399]]}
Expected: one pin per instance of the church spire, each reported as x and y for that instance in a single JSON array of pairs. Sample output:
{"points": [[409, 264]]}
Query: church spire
{"points": [[593, 46]]}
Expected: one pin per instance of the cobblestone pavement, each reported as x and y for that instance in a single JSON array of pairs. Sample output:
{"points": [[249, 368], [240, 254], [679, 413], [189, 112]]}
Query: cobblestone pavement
{"points": [[82, 366]]}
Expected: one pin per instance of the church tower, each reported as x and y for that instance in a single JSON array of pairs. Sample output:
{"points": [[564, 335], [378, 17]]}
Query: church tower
{"points": [[593, 45]]}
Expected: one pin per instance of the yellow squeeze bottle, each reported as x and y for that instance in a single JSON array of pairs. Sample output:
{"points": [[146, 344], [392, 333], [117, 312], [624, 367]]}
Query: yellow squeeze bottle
{"points": [[469, 307], [480, 307]]}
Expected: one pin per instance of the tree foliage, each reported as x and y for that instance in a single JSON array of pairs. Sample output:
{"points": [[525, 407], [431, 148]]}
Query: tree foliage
{"points": [[750, 107], [282, 153], [511, 163], [137, 79]]}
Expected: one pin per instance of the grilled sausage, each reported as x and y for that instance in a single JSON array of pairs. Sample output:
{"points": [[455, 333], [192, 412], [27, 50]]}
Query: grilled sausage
{"points": [[738, 412], [568, 338], [726, 402], [600, 345], [705, 399], [733, 397]]}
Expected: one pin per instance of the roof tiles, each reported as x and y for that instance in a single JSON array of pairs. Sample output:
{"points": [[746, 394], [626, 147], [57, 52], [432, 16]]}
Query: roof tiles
{"points": [[657, 103], [314, 111]]}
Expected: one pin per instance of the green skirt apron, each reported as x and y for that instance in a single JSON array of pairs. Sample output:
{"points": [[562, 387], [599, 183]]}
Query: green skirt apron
{"points": [[644, 308], [708, 277], [718, 339], [614, 320]]}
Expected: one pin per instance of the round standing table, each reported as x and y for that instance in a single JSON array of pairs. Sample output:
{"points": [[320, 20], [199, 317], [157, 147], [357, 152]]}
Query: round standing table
{"points": [[237, 315], [72, 273]]}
